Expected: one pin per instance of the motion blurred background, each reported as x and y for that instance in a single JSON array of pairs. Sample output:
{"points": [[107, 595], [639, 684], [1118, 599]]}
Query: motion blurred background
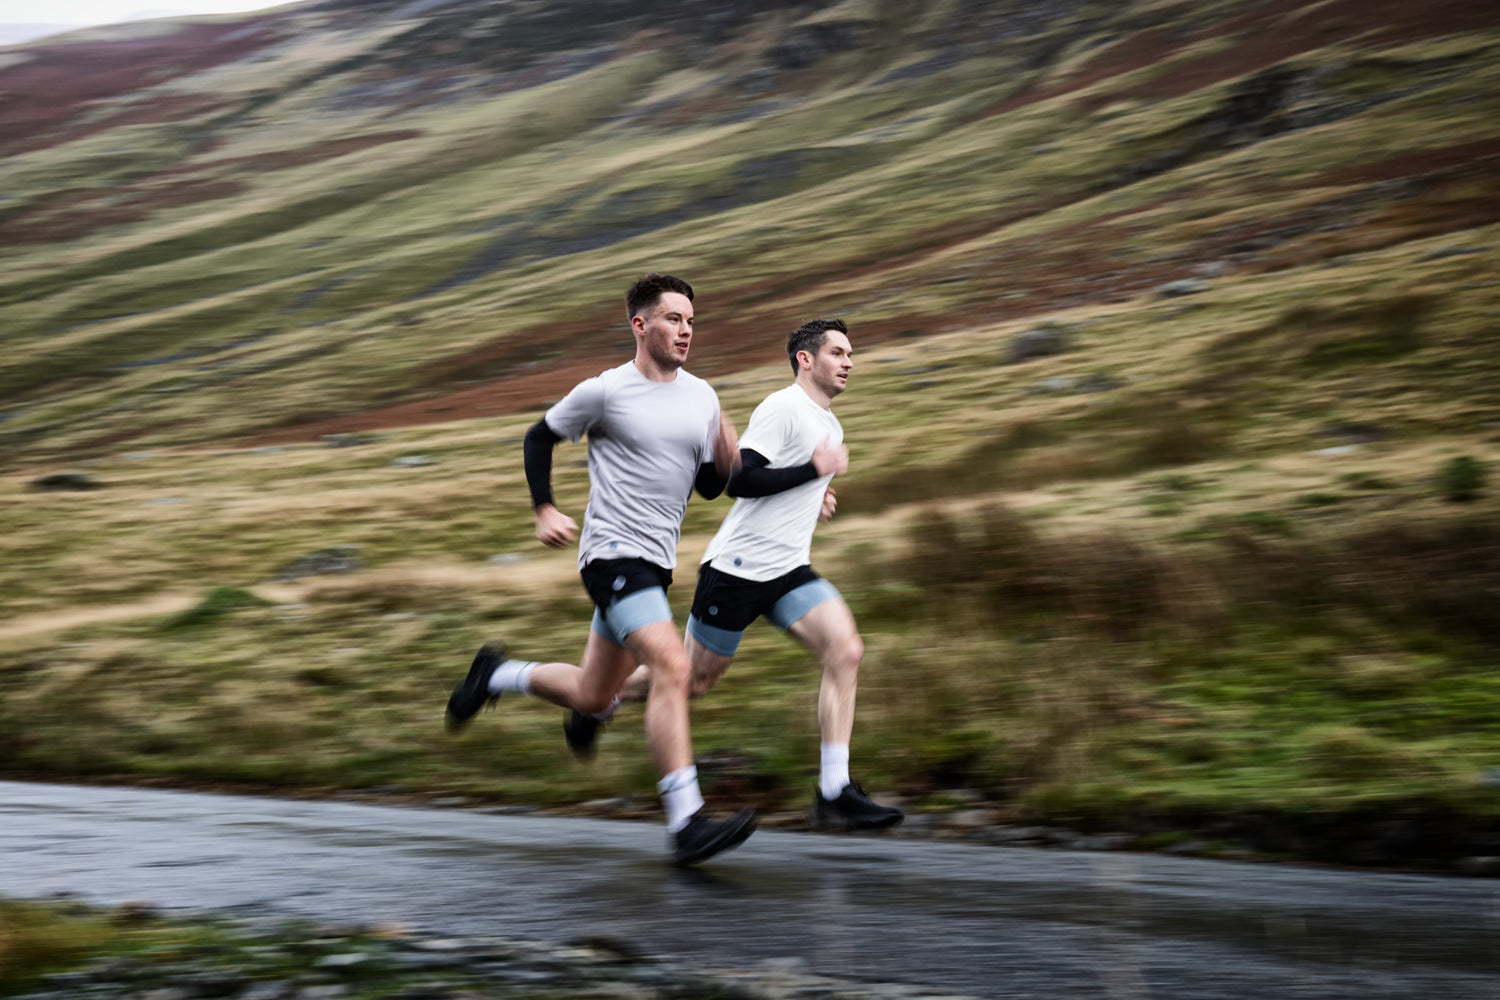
{"points": [[1172, 426]]}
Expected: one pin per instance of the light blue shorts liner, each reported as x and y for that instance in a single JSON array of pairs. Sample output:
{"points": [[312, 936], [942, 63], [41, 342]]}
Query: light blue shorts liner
{"points": [[715, 640], [624, 616], [799, 602], [784, 613]]}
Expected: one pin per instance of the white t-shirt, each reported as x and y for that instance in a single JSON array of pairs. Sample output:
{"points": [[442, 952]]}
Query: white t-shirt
{"points": [[646, 442], [766, 537]]}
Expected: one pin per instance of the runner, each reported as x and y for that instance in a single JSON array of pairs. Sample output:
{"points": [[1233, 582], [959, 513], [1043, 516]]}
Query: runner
{"points": [[655, 433]]}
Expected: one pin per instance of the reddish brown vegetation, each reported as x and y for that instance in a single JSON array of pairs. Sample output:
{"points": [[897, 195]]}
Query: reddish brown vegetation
{"points": [[719, 351], [285, 159], [1273, 32], [1479, 157], [1090, 262], [47, 94], [1264, 35], [76, 212]]}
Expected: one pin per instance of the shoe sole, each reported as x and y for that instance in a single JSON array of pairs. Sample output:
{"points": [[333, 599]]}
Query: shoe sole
{"points": [[848, 825], [452, 721], [733, 835]]}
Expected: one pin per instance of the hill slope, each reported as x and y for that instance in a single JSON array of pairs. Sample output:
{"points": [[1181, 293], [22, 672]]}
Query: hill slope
{"points": [[1176, 344], [330, 208]]}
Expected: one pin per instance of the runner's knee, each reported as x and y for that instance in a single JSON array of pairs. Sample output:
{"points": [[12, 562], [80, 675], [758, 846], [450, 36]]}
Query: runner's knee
{"points": [[673, 673], [593, 702], [843, 658]]}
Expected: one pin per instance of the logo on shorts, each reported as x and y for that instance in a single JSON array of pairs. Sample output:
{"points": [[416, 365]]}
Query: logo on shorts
{"points": [[619, 583], [713, 610]]}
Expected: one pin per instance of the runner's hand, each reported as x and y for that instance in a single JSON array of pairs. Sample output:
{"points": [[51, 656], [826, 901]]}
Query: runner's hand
{"points": [[828, 457], [554, 529], [726, 447], [830, 503]]}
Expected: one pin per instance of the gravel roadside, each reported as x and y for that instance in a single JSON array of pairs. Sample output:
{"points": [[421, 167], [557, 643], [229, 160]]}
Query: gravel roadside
{"points": [[266, 957]]}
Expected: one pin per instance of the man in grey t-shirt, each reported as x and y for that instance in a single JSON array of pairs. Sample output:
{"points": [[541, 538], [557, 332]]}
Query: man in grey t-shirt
{"points": [[758, 565], [655, 434]]}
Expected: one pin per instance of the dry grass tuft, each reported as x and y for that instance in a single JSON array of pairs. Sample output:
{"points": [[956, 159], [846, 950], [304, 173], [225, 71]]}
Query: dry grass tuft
{"points": [[1103, 583]]}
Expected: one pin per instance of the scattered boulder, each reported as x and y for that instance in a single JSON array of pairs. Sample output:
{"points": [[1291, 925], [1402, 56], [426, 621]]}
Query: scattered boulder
{"points": [[1098, 382], [66, 481], [348, 440], [332, 560], [1450, 251], [1183, 286], [808, 44], [1063, 384], [411, 461], [1039, 342], [1056, 385], [1354, 433]]}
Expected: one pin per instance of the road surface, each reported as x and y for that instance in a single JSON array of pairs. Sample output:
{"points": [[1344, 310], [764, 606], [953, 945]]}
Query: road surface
{"points": [[982, 921]]}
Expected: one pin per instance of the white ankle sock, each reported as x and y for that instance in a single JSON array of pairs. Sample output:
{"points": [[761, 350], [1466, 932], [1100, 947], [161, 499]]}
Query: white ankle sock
{"points": [[512, 675], [834, 774], [609, 713], [680, 796]]}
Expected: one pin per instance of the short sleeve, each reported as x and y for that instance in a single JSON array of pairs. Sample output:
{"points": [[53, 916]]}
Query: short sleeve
{"points": [[769, 430], [573, 415], [707, 453]]}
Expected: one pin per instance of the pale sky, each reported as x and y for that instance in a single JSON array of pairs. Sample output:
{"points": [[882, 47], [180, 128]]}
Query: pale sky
{"points": [[84, 12]]}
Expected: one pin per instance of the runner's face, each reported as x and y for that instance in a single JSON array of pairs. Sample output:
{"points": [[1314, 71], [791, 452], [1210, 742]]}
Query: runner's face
{"points": [[831, 368], [666, 329]]}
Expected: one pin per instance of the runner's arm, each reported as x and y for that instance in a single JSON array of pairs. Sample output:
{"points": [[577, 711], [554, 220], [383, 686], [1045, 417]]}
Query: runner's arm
{"points": [[536, 451], [554, 529], [755, 477], [709, 483]]}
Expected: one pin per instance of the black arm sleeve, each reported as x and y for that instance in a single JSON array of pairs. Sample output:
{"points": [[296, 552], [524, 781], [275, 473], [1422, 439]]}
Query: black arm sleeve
{"points": [[536, 451], [709, 483], [755, 478]]}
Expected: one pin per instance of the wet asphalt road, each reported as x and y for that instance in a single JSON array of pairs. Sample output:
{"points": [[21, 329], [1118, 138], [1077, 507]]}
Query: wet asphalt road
{"points": [[982, 921]]}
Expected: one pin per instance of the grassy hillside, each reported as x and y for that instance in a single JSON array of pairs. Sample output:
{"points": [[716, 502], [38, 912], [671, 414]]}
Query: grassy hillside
{"points": [[1223, 546]]}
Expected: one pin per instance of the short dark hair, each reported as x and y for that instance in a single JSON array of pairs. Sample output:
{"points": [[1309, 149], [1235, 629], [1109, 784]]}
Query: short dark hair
{"points": [[648, 290], [810, 337]]}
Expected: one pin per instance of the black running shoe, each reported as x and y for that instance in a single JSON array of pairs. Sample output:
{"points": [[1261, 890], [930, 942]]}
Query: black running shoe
{"points": [[581, 731], [473, 692], [702, 838], [853, 810]]}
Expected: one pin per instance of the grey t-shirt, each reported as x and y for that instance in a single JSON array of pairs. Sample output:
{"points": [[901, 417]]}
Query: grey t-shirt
{"points": [[646, 442]]}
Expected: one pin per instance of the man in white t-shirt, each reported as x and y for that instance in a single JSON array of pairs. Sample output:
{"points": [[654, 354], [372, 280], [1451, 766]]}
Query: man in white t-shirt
{"points": [[759, 564], [655, 434]]}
